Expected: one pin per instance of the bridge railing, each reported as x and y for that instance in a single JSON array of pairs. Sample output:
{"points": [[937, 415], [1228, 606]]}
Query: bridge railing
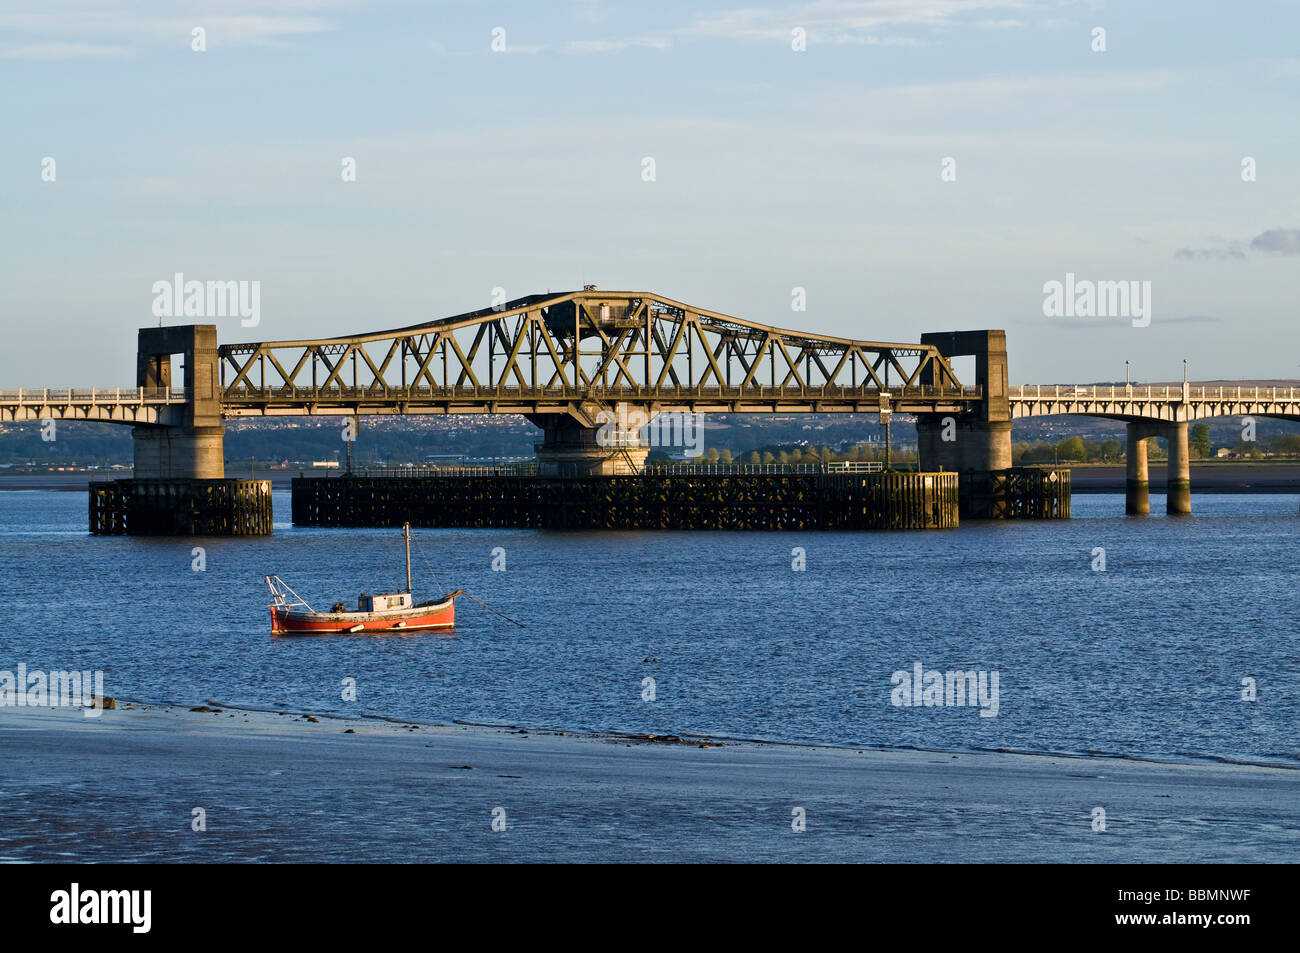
{"points": [[95, 395], [1166, 392], [654, 469], [743, 469], [624, 392], [439, 470]]}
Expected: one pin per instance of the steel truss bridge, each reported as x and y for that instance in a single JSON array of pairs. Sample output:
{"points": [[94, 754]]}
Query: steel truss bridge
{"points": [[148, 405], [545, 353], [573, 352], [565, 360]]}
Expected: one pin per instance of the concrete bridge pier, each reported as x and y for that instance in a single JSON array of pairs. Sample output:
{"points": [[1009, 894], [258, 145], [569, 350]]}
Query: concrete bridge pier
{"points": [[1137, 486], [976, 444], [1178, 478], [178, 485], [981, 438], [589, 441], [962, 443], [165, 453]]}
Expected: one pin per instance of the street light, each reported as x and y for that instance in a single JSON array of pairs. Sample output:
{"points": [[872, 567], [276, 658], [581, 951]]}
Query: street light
{"points": [[1128, 379], [1184, 370]]}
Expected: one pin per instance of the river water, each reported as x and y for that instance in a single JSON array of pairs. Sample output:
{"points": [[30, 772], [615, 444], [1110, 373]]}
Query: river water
{"points": [[1145, 658]]}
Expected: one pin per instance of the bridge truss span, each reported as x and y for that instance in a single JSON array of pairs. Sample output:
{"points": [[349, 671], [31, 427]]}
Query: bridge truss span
{"points": [[546, 354]]}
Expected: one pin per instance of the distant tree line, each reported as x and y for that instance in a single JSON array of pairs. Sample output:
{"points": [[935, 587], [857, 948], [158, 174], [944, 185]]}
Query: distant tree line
{"points": [[100, 444]]}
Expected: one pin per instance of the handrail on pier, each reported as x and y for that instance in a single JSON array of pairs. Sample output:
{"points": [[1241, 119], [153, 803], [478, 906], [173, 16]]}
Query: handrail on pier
{"points": [[95, 395]]}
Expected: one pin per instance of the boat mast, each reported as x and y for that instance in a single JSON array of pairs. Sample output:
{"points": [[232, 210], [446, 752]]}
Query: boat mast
{"points": [[406, 531]]}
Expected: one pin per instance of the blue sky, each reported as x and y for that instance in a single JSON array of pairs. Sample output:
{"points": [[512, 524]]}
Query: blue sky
{"points": [[774, 169]]}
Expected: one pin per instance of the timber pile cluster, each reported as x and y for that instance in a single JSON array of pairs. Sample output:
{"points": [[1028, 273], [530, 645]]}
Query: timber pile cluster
{"points": [[224, 507], [693, 502], [1017, 493]]}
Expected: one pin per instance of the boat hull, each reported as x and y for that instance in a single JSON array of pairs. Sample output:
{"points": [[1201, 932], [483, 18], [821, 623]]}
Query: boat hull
{"points": [[286, 621]]}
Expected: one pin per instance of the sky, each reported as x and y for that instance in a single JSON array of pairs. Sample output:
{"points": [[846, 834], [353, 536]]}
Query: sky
{"points": [[912, 165]]}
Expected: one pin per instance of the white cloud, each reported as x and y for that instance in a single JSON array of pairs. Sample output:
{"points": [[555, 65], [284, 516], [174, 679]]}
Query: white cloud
{"points": [[840, 20], [614, 46], [59, 51], [66, 31], [826, 21]]}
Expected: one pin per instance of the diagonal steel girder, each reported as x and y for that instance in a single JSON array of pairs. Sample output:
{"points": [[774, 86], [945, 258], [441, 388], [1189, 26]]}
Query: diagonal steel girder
{"points": [[579, 345]]}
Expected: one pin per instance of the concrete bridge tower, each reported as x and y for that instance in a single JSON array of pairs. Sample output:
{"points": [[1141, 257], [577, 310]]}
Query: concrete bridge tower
{"points": [[178, 486], [979, 440], [187, 443]]}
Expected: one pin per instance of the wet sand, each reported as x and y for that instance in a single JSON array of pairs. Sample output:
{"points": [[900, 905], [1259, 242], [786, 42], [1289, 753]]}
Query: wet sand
{"points": [[276, 787]]}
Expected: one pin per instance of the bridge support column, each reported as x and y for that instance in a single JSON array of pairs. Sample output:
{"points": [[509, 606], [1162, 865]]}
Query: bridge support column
{"points": [[981, 438], [179, 453], [178, 486], [573, 446], [188, 441], [961, 443], [1178, 479], [977, 443], [1137, 486]]}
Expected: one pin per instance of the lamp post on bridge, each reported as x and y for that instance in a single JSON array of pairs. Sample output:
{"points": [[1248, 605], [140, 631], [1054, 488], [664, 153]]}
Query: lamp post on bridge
{"points": [[885, 418]]}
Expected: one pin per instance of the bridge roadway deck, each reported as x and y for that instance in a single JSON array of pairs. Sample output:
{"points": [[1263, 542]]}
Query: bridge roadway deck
{"points": [[149, 405], [1167, 403]]}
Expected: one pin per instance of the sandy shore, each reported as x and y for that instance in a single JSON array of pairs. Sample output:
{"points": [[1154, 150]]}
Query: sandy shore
{"points": [[277, 787]]}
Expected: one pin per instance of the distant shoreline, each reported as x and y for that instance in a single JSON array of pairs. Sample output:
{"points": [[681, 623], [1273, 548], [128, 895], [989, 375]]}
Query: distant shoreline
{"points": [[80, 482], [1207, 477]]}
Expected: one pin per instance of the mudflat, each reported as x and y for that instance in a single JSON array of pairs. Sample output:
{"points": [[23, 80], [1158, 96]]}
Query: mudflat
{"points": [[134, 783]]}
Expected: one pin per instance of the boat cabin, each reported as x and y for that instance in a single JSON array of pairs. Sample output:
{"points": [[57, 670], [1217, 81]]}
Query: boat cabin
{"points": [[383, 601]]}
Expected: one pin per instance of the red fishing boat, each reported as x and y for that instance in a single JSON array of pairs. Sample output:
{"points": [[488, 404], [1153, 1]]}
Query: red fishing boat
{"points": [[384, 612]]}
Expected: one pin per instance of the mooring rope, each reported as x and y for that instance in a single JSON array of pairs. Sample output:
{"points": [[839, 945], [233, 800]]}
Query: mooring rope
{"points": [[429, 566], [490, 609]]}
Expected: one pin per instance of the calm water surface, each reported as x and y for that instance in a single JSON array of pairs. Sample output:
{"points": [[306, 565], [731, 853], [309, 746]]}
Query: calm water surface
{"points": [[1146, 658]]}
